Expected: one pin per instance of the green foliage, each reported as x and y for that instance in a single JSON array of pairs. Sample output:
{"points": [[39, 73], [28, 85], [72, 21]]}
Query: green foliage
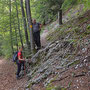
{"points": [[6, 48], [51, 87], [5, 41], [75, 63], [86, 4], [68, 3], [88, 27], [44, 11]]}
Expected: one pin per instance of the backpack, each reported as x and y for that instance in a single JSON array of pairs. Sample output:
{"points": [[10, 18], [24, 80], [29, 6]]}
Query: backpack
{"points": [[39, 27], [15, 57]]}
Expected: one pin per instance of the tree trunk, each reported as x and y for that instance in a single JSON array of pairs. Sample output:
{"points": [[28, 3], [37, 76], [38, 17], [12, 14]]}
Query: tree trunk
{"points": [[16, 35], [25, 24], [60, 17], [11, 30], [16, 39], [19, 25], [26, 13], [30, 25]]}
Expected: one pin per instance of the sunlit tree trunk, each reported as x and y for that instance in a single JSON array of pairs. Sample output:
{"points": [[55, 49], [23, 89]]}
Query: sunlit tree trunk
{"points": [[26, 14], [11, 28], [19, 25], [25, 24], [30, 25]]}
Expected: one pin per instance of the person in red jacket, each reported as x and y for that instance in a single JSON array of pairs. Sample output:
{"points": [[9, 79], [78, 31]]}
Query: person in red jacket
{"points": [[20, 62]]}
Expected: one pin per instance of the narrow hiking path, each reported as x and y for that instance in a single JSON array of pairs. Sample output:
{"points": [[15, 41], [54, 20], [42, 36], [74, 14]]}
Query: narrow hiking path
{"points": [[8, 79], [69, 15], [43, 38]]}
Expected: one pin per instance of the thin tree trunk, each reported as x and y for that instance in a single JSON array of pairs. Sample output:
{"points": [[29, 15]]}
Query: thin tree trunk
{"points": [[25, 24], [60, 12], [11, 30], [16, 38], [60, 17], [26, 13], [19, 25], [30, 25], [16, 35]]}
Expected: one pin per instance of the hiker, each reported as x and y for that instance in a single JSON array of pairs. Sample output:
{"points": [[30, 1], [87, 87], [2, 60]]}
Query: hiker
{"points": [[20, 62], [36, 33]]}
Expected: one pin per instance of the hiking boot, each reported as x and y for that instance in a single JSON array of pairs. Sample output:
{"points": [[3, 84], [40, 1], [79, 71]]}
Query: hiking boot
{"points": [[22, 73], [38, 48], [18, 77]]}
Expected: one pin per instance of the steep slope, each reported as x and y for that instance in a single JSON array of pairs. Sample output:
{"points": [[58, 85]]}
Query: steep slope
{"points": [[65, 62]]}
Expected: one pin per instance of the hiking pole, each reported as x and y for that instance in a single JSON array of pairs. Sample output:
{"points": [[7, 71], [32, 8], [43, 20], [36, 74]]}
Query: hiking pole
{"points": [[25, 67]]}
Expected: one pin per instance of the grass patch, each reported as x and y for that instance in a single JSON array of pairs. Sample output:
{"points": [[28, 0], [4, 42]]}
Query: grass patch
{"points": [[50, 87], [75, 63], [88, 27]]}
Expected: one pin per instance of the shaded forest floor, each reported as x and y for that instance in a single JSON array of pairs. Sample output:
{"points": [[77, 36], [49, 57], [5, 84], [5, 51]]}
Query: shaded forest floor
{"points": [[8, 79]]}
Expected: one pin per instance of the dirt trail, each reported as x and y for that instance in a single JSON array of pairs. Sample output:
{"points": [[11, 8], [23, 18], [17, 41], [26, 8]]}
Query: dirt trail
{"points": [[43, 38], [8, 79]]}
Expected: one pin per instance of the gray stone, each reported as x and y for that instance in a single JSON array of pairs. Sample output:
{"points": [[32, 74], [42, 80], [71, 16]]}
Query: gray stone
{"points": [[34, 59], [52, 45], [57, 42], [41, 70], [43, 76], [47, 82], [37, 80], [84, 50], [76, 66], [49, 54], [81, 65], [85, 60], [47, 72], [58, 67], [29, 75], [27, 89], [27, 84]]}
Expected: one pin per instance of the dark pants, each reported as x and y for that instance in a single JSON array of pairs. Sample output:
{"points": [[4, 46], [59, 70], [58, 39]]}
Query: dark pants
{"points": [[19, 65], [36, 36]]}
